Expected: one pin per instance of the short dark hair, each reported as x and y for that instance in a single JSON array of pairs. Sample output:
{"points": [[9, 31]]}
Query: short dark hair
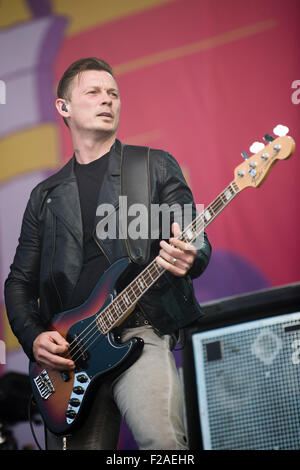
{"points": [[77, 67]]}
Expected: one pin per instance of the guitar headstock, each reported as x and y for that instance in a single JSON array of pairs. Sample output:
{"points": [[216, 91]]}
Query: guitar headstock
{"points": [[254, 170]]}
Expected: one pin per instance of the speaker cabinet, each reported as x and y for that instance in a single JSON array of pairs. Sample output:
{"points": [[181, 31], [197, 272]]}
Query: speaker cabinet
{"points": [[246, 375]]}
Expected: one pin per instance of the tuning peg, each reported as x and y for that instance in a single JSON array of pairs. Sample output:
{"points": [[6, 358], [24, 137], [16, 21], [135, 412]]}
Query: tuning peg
{"points": [[256, 147], [268, 138], [245, 155], [281, 130]]}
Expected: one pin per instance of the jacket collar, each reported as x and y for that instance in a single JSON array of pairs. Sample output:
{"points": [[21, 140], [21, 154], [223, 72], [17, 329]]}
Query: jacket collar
{"points": [[63, 195], [67, 171]]}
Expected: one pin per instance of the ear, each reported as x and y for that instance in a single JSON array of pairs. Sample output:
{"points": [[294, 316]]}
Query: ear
{"points": [[62, 107]]}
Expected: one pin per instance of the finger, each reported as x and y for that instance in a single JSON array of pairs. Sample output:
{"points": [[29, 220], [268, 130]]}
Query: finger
{"points": [[183, 246], [176, 229], [61, 363], [170, 249], [54, 361], [180, 243], [177, 253], [173, 259], [58, 342], [177, 270], [57, 338], [48, 352], [52, 341], [45, 357]]}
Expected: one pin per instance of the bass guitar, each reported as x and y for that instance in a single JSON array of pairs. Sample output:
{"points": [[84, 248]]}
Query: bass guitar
{"points": [[62, 397]]}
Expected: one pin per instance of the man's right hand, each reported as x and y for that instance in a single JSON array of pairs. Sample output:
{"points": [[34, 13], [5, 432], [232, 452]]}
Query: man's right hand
{"points": [[48, 350]]}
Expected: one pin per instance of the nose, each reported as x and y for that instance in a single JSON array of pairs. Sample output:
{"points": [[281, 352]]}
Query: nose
{"points": [[106, 98]]}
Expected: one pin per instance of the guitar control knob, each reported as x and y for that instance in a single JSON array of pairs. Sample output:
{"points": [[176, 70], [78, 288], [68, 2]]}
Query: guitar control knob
{"points": [[74, 402], [70, 414], [78, 390], [82, 378]]}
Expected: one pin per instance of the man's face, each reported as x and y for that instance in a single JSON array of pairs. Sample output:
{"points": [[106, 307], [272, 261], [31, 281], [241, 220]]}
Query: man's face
{"points": [[94, 102]]}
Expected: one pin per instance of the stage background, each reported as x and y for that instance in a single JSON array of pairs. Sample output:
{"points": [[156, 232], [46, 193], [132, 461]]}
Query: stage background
{"points": [[202, 79]]}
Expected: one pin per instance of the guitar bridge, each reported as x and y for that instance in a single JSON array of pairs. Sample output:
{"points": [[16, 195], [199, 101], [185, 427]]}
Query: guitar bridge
{"points": [[44, 384]]}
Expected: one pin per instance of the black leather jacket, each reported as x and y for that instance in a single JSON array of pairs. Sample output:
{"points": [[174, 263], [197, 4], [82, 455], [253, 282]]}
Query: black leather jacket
{"points": [[49, 255]]}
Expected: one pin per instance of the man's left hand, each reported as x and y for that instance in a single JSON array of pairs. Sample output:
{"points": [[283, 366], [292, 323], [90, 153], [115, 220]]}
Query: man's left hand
{"points": [[176, 256]]}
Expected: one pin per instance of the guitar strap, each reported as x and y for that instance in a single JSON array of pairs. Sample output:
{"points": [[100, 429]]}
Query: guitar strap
{"points": [[136, 186]]}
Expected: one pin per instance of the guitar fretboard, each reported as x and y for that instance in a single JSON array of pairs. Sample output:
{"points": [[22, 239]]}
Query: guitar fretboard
{"points": [[119, 307], [220, 203]]}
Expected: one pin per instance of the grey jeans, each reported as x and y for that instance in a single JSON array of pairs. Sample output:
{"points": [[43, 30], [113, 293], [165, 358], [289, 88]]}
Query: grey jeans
{"points": [[147, 395]]}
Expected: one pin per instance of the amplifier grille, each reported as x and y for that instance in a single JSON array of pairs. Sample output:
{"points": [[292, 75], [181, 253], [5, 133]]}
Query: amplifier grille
{"points": [[248, 382]]}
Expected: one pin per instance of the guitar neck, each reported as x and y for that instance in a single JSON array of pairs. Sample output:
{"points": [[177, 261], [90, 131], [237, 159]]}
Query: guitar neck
{"points": [[118, 309], [216, 207]]}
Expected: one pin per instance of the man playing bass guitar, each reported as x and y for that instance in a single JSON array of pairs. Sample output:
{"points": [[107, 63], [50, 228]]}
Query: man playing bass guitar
{"points": [[61, 256]]}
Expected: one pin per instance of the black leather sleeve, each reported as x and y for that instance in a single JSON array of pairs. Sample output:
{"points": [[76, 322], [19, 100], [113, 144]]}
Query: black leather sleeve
{"points": [[170, 304], [174, 189], [22, 285]]}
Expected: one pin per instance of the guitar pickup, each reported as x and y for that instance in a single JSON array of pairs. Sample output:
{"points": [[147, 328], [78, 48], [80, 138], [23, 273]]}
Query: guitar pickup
{"points": [[80, 353]]}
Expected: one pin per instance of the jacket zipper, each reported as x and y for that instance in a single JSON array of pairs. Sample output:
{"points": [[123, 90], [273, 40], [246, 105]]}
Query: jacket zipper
{"points": [[52, 260], [101, 248], [137, 303], [96, 240], [103, 251]]}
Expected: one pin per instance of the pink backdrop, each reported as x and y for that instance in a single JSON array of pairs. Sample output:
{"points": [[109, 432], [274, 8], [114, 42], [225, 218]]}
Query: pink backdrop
{"points": [[202, 79]]}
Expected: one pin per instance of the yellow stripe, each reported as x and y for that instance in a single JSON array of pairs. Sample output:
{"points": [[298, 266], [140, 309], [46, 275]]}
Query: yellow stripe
{"points": [[144, 138], [193, 48], [13, 11], [10, 340], [33, 149], [87, 14]]}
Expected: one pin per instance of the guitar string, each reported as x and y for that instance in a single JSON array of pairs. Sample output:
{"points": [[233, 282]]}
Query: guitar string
{"points": [[56, 380], [92, 329], [94, 337], [94, 324], [131, 287], [89, 329], [91, 332], [215, 206]]}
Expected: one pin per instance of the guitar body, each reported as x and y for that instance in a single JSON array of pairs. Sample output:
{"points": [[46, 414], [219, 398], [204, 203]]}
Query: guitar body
{"points": [[63, 397]]}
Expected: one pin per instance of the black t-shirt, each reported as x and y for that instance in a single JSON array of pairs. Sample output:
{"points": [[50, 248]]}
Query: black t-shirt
{"points": [[89, 179]]}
